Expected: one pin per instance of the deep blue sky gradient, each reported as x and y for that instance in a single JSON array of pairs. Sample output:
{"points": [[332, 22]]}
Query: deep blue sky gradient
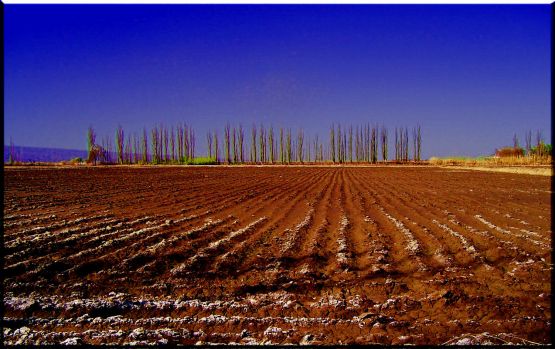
{"points": [[471, 75]]}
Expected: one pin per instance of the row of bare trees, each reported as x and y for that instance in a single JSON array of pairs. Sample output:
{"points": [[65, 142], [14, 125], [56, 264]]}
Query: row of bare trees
{"points": [[538, 149], [346, 144], [176, 145], [368, 140], [167, 145]]}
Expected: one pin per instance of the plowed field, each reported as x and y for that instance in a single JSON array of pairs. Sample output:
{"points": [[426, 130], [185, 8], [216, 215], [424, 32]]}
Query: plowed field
{"points": [[276, 255]]}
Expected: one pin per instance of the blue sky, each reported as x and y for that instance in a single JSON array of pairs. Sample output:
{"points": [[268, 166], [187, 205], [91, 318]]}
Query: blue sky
{"points": [[471, 75]]}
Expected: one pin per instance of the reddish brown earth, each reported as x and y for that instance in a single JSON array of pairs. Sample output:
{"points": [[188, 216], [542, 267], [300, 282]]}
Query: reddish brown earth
{"points": [[276, 255]]}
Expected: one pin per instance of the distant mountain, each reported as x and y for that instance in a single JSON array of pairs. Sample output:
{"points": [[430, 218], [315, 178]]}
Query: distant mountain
{"points": [[32, 154]]}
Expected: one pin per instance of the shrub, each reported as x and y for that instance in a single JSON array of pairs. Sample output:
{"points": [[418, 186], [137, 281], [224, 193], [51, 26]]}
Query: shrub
{"points": [[202, 161], [509, 152]]}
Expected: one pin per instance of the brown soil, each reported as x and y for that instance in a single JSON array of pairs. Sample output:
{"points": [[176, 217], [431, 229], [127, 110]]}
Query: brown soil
{"points": [[276, 255]]}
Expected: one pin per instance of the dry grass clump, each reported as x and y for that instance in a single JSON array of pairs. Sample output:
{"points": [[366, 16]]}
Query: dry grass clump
{"points": [[493, 161]]}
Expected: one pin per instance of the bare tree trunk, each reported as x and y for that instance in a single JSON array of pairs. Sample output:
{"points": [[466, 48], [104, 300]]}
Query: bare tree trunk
{"points": [[154, 144], [300, 138], [253, 144], [414, 144], [539, 143], [367, 157], [351, 143], [345, 145], [235, 151], [339, 142], [241, 140], [119, 143], [192, 140], [373, 145], [272, 146], [407, 143], [135, 149], [226, 144], [209, 143], [145, 146], [216, 147], [186, 143], [528, 140], [172, 144], [403, 148], [91, 142], [281, 147], [91, 139], [332, 143], [127, 151], [192, 143], [419, 142], [179, 144], [288, 145], [316, 157], [384, 143], [262, 145], [166, 144], [308, 146]]}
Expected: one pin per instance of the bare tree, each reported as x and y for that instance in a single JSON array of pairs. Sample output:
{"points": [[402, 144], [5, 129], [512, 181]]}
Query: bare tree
{"points": [[539, 143], [308, 149], [344, 151], [367, 156], [373, 145], [300, 139], [528, 140], [108, 153], [357, 145], [161, 143], [235, 150], [216, 147], [384, 143], [186, 148], [226, 144], [91, 138], [281, 146], [253, 143], [135, 149], [145, 146], [192, 143], [241, 139], [166, 148], [13, 157], [288, 146], [351, 143], [209, 140], [91, 141], [127, 151], [180, 141], [172, 142], [340, 149], [406, 142], [414, 144], [262, 145], [332, 142], [119, 143], [154, 144], [418, 143], [272, 145], [316, 148]]}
